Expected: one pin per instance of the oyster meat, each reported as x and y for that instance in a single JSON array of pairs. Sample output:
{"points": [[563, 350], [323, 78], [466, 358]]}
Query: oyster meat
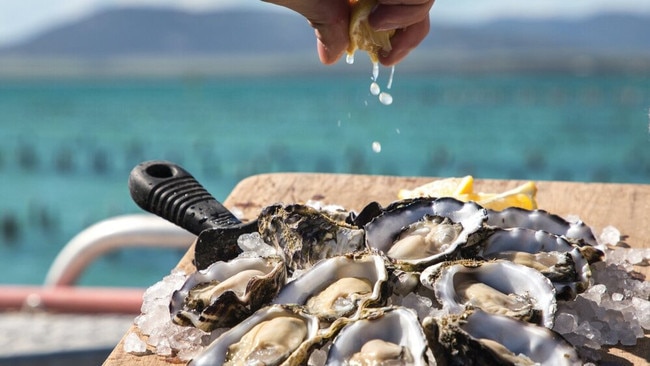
{"points": [[338, 286], [273, 335], [388, 336], [555, 257], [262, 345], [476, 337], [429, 236], [497, 287], [419, 232]]}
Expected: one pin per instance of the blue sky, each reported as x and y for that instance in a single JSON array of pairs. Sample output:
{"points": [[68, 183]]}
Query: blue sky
{"points": [[22, 19]]}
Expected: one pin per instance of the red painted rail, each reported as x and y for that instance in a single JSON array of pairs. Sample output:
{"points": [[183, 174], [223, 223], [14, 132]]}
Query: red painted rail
{"points": [[69, 299]]}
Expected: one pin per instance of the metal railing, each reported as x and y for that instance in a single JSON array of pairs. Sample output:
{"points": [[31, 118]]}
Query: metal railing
{"points": [[136, 230]]}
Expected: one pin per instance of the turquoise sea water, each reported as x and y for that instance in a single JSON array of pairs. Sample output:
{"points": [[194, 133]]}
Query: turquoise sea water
{"points": [[67, 147]]}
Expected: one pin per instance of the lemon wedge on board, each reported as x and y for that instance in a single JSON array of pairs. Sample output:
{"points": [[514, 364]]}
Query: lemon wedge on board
{"points": [[462, 189]]}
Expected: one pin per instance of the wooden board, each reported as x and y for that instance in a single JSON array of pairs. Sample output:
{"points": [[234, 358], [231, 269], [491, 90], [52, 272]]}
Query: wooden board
{"points": [[625, 206]]}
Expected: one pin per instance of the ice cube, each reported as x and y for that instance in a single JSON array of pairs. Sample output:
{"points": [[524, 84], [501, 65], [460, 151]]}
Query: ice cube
{"points": [[133, 344], [317, 358], [642, 311], [565, 323], [610, 235]]}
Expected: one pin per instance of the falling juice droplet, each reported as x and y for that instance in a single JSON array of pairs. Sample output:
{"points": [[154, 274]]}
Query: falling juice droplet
{"points": [[390, 78], [349, 58], [376, 147], [385, 98], [375, 71], [374, 88]]}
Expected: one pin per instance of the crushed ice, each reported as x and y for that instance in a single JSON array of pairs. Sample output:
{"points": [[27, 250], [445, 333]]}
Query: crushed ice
{"points": [[615, 308], [165, 337], [253, 246], [133, 344]]}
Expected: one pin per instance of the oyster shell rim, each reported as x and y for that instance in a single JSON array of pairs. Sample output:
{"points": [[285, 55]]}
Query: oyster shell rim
{"points": [[539, 219], [337, 354], [259, 290], [216, 352], [434, 276], [449, 332], [296, 292], [470, 215]]}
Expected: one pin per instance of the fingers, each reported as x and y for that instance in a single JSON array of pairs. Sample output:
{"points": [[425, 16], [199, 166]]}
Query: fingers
{"points": [[396, 14], [330, 19], [404, 40], [410, 19], [331, 41]]}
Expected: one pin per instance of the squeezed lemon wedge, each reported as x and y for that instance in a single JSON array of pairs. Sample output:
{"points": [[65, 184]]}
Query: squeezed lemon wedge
{"points": [[449, 187], [462, 189], [362, 36], [522, 196]]}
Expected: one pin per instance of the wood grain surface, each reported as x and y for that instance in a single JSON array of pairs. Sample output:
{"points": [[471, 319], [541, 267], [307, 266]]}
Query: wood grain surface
{"points": [[625, 206]]}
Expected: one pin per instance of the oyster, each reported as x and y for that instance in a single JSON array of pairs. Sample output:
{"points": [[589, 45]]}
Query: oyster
{"points": [[498, 287], [389, 336], [479, 338], [273, 335], [227, 292], [419, 232], [338, 286], [306, 235], [555, 257], [542, 220]]}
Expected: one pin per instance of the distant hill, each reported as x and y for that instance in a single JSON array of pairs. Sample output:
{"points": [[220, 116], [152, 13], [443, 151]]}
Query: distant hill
{"points": [[159, 33], [153, 31]]}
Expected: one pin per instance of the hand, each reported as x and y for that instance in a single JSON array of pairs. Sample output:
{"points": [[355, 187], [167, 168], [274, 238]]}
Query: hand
{"points": [[410, 19], [330, 20]]}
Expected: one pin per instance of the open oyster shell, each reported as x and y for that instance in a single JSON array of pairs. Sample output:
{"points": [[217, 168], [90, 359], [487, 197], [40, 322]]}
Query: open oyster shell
{"points": [[427, 230], [338, 286], [499, 287], [542, 220], [401, 340], [555, 257], [479, 338], [306, 235], [274, 335], [227, 292]]}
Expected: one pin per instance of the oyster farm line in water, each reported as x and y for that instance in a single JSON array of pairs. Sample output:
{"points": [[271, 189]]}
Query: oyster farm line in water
{"points": [[323, 286]]}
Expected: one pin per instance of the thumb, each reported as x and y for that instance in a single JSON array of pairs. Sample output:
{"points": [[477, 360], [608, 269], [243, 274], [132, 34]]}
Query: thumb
{"points": [[332, 41], [330, 20]]}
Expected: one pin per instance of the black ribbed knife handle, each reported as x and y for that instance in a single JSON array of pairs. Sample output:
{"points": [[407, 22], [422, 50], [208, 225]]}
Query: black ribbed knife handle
{"points": [[167, 190]]}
